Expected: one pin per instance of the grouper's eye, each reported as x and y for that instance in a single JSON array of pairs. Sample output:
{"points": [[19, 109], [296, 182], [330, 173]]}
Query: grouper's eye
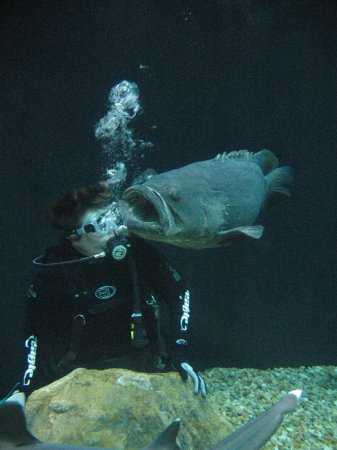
{"points": [[142, 209], [175, 193]]}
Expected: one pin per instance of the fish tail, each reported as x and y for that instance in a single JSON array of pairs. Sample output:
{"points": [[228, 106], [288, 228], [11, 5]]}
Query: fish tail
{"points": [[290, 402], [279, 182]]}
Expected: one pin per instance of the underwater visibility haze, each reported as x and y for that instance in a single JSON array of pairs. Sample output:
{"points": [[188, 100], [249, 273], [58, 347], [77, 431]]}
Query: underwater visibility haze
{"points": [[96, 90]]}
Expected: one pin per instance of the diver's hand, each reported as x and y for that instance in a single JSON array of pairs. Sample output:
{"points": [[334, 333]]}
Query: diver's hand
{"points": [[179, 357], [185, 371]]}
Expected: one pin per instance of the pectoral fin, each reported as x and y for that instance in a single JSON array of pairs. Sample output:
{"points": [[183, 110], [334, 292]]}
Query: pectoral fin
{"points": [[252, 231], [167, 439], [13, 428]]}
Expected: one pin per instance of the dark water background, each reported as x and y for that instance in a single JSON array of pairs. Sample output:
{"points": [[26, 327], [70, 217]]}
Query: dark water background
{"points": [[218, 75]]}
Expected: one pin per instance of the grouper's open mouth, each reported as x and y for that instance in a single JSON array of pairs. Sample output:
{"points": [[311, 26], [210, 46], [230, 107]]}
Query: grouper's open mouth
{"points": [[145, 211]]}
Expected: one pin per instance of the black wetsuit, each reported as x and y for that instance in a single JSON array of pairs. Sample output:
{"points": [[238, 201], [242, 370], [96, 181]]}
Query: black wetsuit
{"points": [[79, 315]]}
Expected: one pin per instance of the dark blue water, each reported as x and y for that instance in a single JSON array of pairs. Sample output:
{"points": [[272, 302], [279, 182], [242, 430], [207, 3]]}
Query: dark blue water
{"points": [[213, 76]]}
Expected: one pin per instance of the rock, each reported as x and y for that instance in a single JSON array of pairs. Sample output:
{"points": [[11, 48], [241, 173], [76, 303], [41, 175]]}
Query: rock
{"points": [[121, 409]]}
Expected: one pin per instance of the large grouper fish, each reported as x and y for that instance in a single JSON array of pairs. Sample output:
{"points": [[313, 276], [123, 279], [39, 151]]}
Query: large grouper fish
{"points": [[207, 203]]}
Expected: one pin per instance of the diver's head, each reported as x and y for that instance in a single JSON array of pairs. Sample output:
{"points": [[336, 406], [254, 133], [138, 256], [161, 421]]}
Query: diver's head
{"points": [[96, 229], [88, 217], [68, 210]]}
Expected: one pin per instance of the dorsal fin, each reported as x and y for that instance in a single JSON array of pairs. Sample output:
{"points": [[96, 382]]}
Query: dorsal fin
{"points": [[264, 158], [167, 439]]}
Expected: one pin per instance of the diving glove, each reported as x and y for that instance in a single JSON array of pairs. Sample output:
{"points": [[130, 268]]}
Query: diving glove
{"points": [[199, 383], [185, 370]]}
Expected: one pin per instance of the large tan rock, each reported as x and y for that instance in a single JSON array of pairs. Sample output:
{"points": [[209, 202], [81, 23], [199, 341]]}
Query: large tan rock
{"points": [[121, 409]]}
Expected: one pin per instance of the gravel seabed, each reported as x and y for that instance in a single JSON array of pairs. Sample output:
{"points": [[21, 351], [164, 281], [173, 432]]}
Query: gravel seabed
{"points": [[244, 393]]}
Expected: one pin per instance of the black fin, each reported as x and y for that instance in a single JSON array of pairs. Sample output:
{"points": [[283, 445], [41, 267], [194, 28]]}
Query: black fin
{"points": [[13, 428], [167, 439]]}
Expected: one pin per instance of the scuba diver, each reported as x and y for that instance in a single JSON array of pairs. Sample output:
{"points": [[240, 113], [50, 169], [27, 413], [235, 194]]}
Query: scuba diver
{"points": [[103, 299]]}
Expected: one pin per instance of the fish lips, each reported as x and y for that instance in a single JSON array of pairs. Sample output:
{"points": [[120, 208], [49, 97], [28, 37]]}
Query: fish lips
{"points": [[146, 212]]}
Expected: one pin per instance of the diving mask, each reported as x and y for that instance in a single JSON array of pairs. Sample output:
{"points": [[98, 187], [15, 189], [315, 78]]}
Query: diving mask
{"points": [[101, 223]]}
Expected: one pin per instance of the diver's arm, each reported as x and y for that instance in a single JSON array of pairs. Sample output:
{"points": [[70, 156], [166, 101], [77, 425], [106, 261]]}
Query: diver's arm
{"points": [[168, 284], [33, 334], [181, 313], [172, 291], [171, 287], [27, 354], [28, 349], [42, 312]]}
